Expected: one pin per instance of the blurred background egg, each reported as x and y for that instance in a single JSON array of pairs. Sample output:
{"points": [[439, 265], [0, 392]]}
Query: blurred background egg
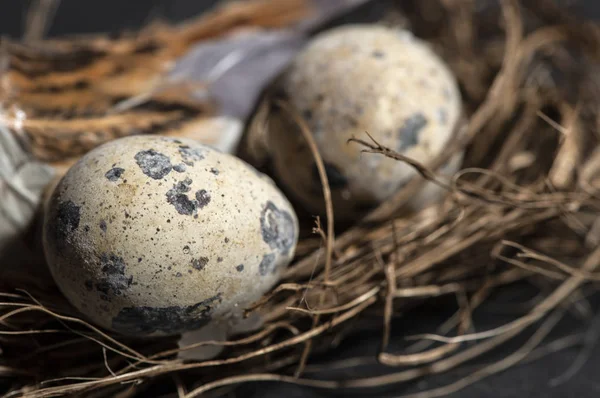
{"points": [[351, 80]]}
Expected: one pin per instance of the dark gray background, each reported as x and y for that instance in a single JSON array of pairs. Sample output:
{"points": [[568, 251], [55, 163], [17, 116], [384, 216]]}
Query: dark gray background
{"points": [[529, 380]]}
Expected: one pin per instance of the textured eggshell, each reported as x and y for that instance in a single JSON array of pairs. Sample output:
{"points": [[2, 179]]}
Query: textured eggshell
{"points": [[356, 79], [152, 235]]}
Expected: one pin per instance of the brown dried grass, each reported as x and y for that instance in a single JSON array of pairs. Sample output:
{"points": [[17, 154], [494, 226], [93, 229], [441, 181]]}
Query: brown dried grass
{"points": [[524, 208]]}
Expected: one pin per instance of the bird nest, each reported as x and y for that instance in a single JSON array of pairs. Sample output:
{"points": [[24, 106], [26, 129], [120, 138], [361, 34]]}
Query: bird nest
{"points": [[524, 207]]}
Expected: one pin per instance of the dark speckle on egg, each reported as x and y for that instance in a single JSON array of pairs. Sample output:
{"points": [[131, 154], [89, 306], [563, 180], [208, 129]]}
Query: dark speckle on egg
{"points": [[203, 198], [173, 319], [214, 171], [408, 134], [189, 155], [113, 276], [352, 121], [67, 221], [277, 227], [103, 225], [267, 264], [199, 263], [239, 268], [154, 164], [180, 168], [378, 54], [114, 174], [177, 196]]}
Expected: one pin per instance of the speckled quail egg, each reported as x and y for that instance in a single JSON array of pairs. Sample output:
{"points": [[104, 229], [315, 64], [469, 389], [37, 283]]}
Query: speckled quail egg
{"points": [[151, 235], [356, 79]]}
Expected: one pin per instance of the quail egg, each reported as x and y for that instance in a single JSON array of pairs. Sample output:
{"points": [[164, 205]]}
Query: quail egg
{"points": [[153, 235], [356, 79]]}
